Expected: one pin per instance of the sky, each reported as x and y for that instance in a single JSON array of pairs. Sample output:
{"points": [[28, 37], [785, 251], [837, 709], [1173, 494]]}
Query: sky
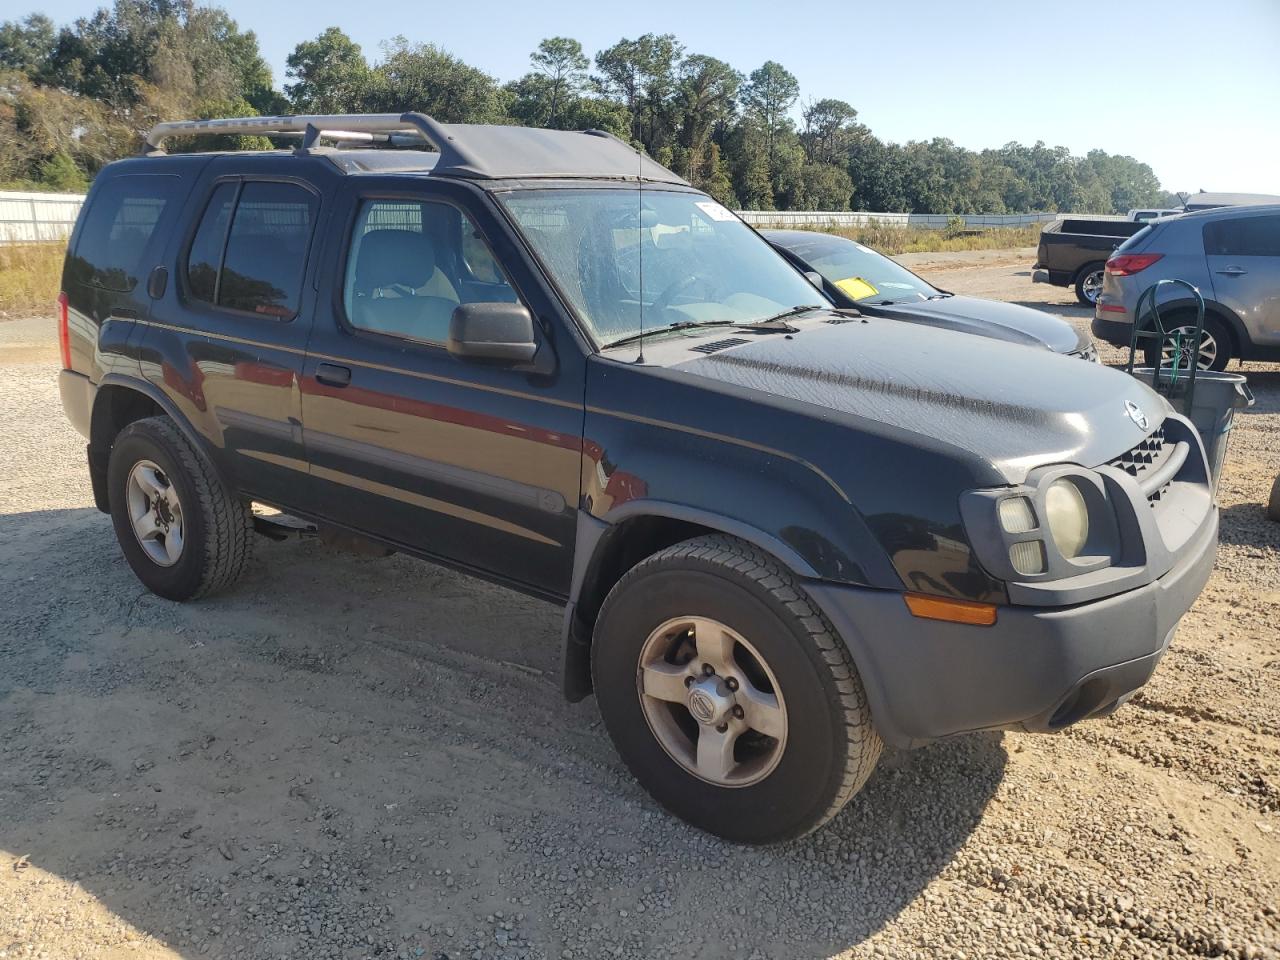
{"points": [[1191, 88]]}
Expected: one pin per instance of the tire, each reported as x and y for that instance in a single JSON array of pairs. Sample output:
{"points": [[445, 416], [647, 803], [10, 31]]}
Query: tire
{"points": [[1273, 508], [1089, 283], [201, 535], [787, 785], [1216, 345]]}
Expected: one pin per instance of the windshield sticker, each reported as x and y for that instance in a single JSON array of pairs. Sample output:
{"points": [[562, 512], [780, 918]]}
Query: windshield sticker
{"points": [[714, 210], [857, 288]]}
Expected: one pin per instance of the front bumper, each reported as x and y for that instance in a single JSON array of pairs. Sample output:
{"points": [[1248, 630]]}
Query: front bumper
{"points": [[1035, 669]]}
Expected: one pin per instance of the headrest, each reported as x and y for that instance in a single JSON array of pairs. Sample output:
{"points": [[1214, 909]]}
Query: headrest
{"points": [[391, 257]]}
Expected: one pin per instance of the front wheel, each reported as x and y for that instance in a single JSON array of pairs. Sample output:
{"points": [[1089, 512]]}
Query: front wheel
{"points": [[728, 693], [1089, 284]]}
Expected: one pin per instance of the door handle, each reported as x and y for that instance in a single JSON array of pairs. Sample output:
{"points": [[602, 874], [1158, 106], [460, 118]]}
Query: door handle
{"points": [[1233, 271], [333, 375]]}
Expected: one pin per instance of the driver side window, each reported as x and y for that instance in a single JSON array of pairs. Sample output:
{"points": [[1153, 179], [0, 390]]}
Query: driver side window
{"points": [[410, 263]]}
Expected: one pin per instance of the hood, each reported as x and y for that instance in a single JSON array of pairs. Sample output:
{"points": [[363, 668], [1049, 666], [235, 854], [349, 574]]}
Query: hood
{"points": [[1013, 407], [988, 318]]}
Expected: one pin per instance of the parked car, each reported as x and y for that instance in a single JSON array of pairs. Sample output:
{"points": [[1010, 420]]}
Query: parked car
{"points": [[1231, 255], [782, 533], [857, 277], [1073, 252]]}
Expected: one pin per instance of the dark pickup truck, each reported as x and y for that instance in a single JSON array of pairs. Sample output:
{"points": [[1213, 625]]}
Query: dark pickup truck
{"points": [[1073, 252]]}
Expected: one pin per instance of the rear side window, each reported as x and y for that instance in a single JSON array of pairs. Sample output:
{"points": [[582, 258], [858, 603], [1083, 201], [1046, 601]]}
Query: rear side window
{"points": [[1243, 237], [118, 226], [250, 249]]}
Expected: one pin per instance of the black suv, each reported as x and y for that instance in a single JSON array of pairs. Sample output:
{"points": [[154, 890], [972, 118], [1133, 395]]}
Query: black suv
{"points": [[783, 533]]}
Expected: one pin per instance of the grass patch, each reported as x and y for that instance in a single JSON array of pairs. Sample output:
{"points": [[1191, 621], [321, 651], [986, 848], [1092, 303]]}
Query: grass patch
{"points": [[893, 238], [30, 274]]}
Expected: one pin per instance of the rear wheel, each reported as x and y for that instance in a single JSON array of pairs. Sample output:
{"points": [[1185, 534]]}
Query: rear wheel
{"points": [[1212, 353], [729, 695], [1089, 283], [180, 529]]}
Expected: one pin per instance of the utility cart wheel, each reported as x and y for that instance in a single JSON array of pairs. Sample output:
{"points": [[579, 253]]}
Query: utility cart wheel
{"points": [[728, 693]]}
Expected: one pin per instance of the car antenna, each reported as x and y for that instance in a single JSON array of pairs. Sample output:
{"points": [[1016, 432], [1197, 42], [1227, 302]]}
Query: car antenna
{"points": [[640, 240]]}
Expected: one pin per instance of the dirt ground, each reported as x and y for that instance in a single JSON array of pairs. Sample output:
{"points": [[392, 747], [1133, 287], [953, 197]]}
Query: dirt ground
{"points": [[353, 757]]}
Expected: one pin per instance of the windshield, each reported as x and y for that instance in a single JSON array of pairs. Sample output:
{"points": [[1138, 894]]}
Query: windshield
{"points": [[631, 257], [857, 271]]}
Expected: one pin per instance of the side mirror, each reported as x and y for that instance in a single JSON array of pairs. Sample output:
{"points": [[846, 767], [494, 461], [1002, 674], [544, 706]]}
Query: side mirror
{"points": [[492, 331], [815, 278]]}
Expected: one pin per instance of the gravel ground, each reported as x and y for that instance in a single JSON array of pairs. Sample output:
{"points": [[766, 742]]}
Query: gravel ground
{"points": [[352, 757]]}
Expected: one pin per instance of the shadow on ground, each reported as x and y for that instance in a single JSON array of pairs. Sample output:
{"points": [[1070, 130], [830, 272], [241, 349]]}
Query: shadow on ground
{"points": [[352, 757]]}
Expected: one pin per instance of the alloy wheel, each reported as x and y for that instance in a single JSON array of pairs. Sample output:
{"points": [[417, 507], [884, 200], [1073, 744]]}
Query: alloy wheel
{"points": [[155, 512], [712, 701]]}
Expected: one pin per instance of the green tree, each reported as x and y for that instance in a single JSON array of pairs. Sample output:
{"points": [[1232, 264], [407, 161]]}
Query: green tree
{"points": [[770, 92], [329, 74], [422, 77], [563, 66], [27, 44], [707, 93], [60, 173], [640, 74], [829, 129]]}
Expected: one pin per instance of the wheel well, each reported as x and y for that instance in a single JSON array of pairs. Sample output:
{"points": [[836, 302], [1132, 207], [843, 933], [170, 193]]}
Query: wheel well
{"points": [[114, 409], [621, 547], [1086, 268]]}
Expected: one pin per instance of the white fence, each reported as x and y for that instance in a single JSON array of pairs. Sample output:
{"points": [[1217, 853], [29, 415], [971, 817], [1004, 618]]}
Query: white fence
{"points": [[36, 217], [796, 218]]}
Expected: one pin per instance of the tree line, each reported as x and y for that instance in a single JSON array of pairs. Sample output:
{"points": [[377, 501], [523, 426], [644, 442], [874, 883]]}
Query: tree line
{"points": [[75, 97]]}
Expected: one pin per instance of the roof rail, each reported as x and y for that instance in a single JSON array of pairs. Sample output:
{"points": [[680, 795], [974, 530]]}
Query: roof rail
{"points": [[402, 129], [480, 151]]}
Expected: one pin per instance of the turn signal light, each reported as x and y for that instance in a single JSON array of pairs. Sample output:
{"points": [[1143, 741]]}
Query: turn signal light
{"points": [[64, 332], [1127, 264], [955, 611]]}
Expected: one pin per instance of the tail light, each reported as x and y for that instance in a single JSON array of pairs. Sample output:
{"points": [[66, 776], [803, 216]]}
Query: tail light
{"points": [[64, 332], [1127, 264]]}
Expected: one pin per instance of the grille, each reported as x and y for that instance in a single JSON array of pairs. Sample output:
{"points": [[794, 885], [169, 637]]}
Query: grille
{"points": [[718, 345], [1148, 455]]}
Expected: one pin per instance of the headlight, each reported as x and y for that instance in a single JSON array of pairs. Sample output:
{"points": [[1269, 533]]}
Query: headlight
{"points": [[1067, 516]]}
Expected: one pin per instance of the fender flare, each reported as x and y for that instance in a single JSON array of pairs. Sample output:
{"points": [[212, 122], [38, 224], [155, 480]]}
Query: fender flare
{"points": [[170, 409], [576, 634]]}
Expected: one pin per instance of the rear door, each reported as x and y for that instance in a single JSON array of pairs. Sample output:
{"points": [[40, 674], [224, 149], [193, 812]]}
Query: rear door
{"points": [[226, 341], [469, 462], [125, 220], [1243, 256]]}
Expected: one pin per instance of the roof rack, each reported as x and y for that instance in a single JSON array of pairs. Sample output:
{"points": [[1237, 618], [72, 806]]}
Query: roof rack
{"points": [[406, 129], [478, 151]]}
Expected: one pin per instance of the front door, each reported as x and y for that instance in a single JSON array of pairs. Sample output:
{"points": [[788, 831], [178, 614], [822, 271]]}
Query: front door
{"points": [[469, 462]]}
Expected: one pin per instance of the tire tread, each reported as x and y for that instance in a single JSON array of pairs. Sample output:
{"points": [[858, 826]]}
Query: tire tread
{"points": [[862, 744]]}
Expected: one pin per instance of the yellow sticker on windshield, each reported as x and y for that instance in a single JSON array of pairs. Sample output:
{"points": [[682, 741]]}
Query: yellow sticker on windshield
{"points": [[857, 288]]}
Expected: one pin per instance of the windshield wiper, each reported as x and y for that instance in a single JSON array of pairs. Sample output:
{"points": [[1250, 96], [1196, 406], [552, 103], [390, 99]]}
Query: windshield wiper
{"points": [[777, 321], [669, 328], [774, 324]]}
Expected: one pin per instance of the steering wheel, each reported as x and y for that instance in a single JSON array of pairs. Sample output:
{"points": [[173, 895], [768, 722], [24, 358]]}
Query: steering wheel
{"points": [[678, 286]]}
